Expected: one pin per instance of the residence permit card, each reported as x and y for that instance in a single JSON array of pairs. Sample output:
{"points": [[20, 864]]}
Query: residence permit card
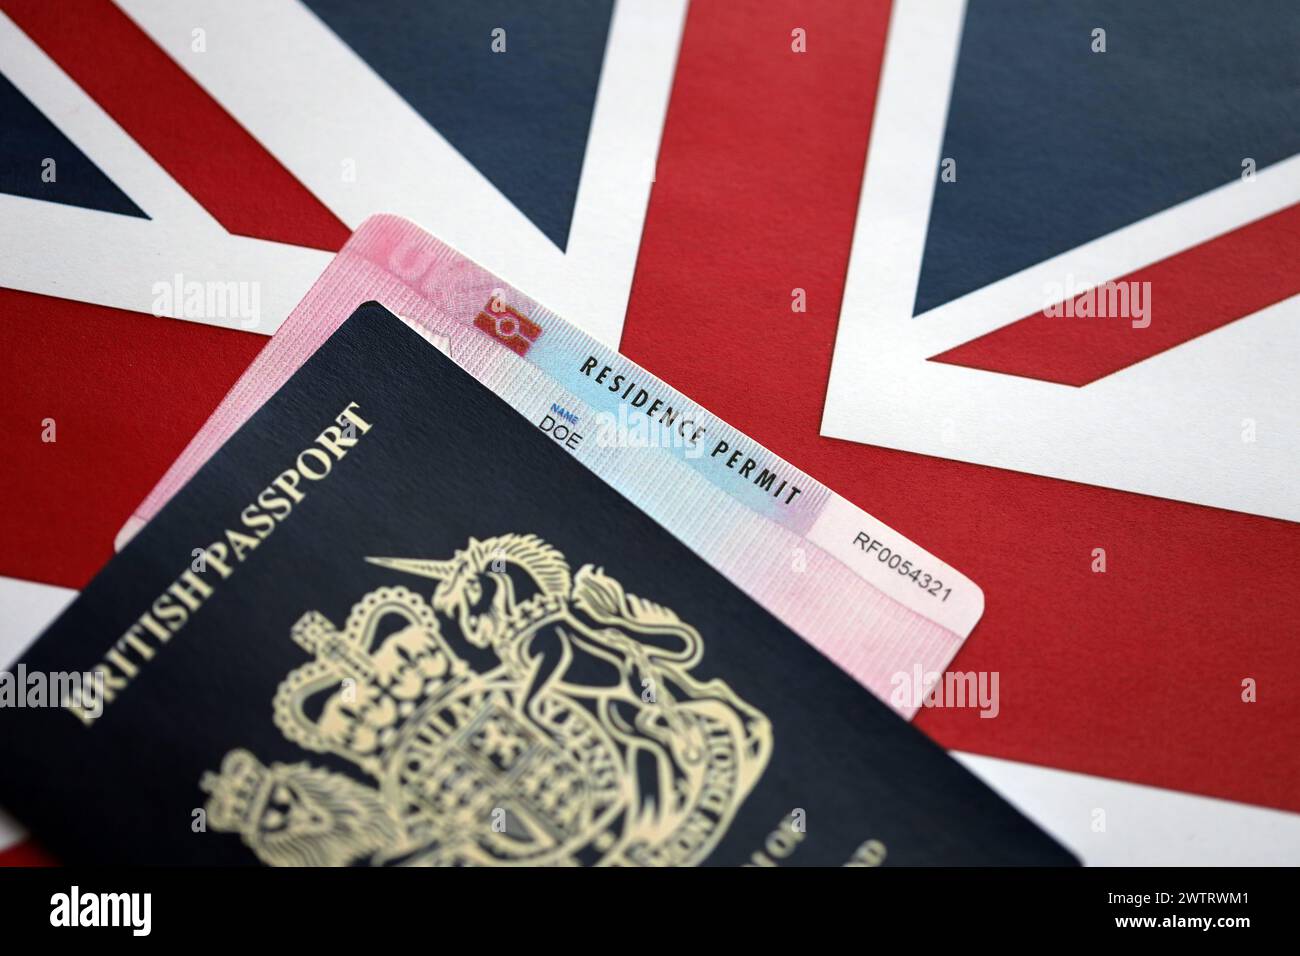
{"points": [[391, 622], [880, 606]]}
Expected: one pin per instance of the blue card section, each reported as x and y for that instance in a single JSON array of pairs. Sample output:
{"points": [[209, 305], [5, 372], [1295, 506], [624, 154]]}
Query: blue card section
{"points": [[392, 623], [520, 116], [28, 139], [1057, 145]]}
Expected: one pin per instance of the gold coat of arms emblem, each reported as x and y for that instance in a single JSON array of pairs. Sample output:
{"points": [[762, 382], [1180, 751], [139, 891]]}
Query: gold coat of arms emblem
{"points": [[519, 715]]}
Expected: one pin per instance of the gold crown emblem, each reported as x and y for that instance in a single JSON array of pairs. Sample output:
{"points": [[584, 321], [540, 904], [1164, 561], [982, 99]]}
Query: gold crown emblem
{"points": [[353, 699], [237, 792]]}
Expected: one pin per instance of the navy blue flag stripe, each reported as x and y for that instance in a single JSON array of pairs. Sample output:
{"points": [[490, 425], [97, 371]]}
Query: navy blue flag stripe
{"points": [[1056, 145], [28, 140], [521, 116]]}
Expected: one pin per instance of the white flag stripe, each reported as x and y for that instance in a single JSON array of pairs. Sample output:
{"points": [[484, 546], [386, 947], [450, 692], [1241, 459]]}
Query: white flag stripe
{"points": [[27, 609], [1143, 826]]}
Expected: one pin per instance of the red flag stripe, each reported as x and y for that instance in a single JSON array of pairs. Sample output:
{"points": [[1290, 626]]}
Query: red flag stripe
{"points": [[25, 853], [125, 392], [1194, 292]]}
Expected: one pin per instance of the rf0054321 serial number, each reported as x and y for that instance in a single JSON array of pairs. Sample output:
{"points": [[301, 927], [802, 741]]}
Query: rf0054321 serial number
{"points": [[893, 560]]}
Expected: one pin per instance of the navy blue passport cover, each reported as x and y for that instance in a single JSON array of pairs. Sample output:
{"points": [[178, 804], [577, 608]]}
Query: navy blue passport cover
{"points": [[418, 632]]}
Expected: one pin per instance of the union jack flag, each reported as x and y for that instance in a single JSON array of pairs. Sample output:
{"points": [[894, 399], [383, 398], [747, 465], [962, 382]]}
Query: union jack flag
{"points": [[668, 178]]}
